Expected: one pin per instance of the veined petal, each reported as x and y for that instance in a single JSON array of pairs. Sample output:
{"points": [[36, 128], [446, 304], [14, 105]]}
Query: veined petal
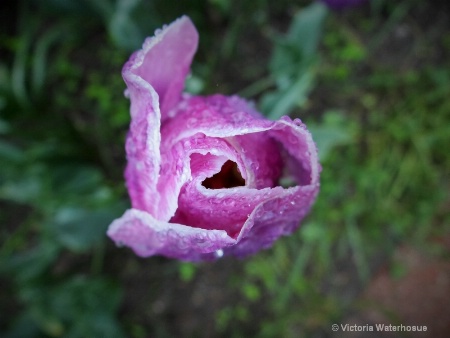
{"points": [[273, 218], [214, 116], [164, 61], [147, 236], [281, 214], [177, 171], [155, 79], [224, 209], [300, 152], [143, 145]]}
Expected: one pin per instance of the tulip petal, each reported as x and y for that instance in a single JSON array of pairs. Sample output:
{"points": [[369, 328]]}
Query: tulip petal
{"points": [[155, 78], [234, 209], [281, 215], [214, 116], [164, 61], [300, 151], [176, 169], [147, 236], [142, 144]]}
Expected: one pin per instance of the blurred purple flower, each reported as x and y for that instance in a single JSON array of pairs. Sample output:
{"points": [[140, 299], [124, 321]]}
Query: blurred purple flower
{"points": [[341, 4], [203, 172]]}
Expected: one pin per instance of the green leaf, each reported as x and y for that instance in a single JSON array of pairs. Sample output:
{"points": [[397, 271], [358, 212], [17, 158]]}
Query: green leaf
{"points": [[282, 101], [76, 307], [9, 152], [40, 58], [122, 27], [299, 45], [332, 132], [28, 265], [291, 65], [306, 28], [79, 229]]}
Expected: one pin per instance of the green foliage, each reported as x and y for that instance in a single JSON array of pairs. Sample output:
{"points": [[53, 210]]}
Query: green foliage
{"points": [[333, 131], [292, 62], [56, 182], [78, 307], [187, 271]]}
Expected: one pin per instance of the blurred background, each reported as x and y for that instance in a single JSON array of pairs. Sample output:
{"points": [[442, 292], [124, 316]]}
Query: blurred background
{"points": [[372, 82]]}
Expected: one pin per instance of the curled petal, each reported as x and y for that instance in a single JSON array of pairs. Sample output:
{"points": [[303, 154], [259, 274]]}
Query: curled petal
{"points": [[155, 78], [177, 171], [164, 61], [142, 145], [299, 149], [273, 218], [225, 209], [257, 217], [147, 236], [214, 116]]}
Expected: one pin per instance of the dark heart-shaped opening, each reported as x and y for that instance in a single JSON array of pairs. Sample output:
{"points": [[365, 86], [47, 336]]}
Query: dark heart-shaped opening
{"points": [[229, 176]]}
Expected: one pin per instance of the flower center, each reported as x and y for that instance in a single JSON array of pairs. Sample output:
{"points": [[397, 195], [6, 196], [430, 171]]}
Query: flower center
{"points": [[229, 176]]}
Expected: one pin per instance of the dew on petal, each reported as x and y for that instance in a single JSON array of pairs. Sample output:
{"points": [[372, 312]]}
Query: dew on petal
{"points": [[187, 143], [169, 128], [293, 139], [191, 122], [298, 122], [139, 166]]}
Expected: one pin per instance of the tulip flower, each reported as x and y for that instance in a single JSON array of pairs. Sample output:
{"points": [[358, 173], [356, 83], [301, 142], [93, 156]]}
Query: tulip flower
{"points": [[203, 172]]}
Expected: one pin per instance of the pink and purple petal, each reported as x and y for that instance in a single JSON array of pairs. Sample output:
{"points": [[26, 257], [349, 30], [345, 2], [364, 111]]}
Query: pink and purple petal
{"points": [[147, 236], [164, 61], [203, 172]]}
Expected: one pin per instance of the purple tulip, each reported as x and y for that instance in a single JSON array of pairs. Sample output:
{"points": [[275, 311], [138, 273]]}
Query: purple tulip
{"points": [[203, 172], [341, 4]]}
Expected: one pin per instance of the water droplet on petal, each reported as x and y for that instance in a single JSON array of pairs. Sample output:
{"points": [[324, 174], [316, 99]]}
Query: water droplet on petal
{"points": [[139, 166], [200, 239], [219, 253], [229, 202], [191, 122], [293, 139], [171, 234]]}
